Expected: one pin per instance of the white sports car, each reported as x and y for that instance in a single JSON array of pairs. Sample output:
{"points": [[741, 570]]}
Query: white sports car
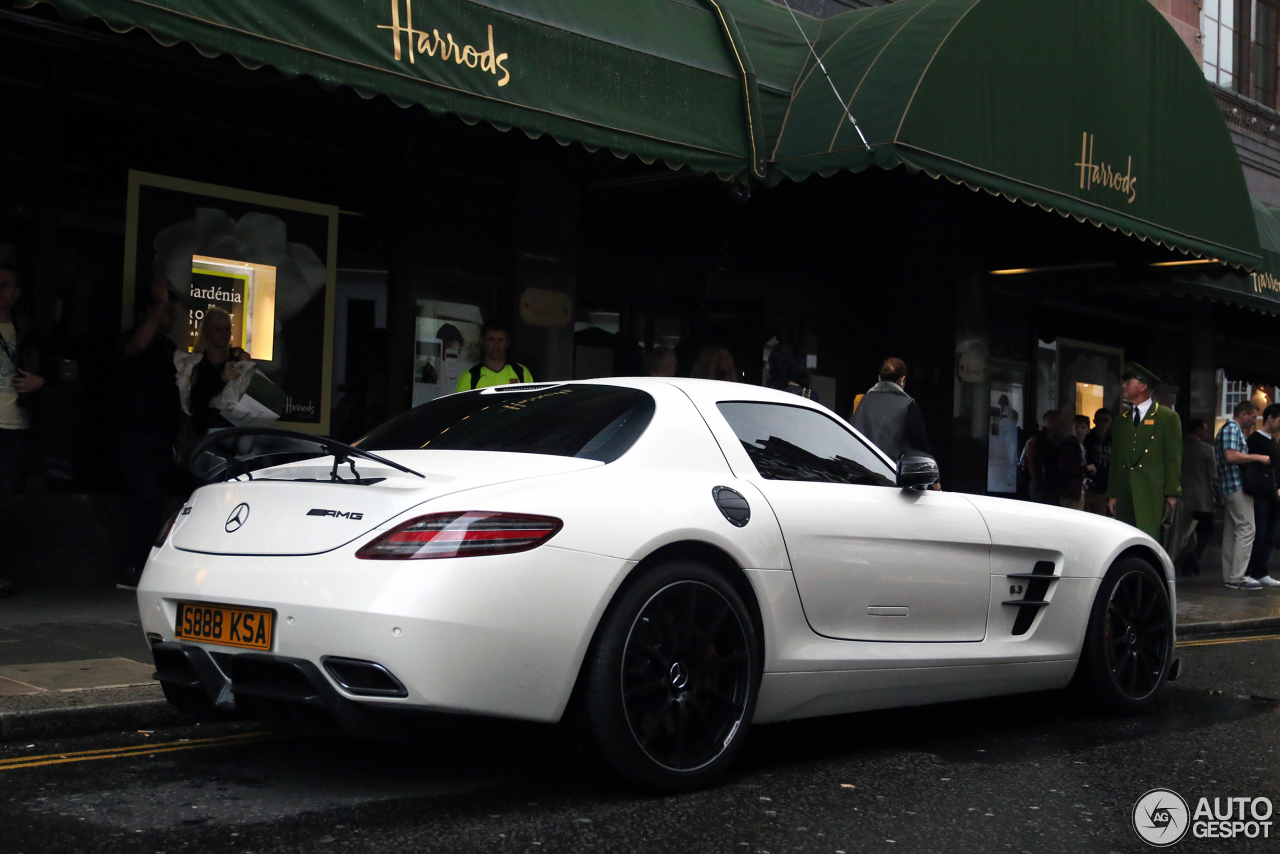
{"points": [[672, 560]]}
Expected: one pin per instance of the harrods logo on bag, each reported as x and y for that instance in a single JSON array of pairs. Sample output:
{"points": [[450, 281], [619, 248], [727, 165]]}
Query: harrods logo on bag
{"points": [[431, 43]]}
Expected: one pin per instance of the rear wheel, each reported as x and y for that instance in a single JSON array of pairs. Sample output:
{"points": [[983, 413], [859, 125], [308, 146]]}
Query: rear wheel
{"points": [[1128, 645], [672, 676]]}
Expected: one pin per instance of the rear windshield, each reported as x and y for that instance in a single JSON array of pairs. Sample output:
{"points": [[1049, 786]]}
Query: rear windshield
{"points": [[593, 422]]}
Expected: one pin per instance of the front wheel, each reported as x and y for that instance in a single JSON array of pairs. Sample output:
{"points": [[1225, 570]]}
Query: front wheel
{"points": [[672, 677], [1128, 646]]}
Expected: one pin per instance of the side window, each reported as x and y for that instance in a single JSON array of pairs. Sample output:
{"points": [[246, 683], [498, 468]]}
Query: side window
{"points": [[795, 443]]}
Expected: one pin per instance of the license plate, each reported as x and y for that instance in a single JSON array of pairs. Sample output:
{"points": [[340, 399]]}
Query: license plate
{"points": [[225, 624]]}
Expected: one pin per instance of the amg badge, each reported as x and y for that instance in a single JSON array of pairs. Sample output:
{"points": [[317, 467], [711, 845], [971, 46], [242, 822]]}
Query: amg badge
{"points": [[337, 514]]}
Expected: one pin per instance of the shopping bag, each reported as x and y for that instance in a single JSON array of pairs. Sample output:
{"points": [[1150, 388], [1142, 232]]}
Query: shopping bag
{"points": [[249, 398], [186, 365]]}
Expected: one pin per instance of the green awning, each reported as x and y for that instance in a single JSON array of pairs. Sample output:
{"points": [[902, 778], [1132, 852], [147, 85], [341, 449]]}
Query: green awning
{"points": [[659, 78], [1091, 108], [1259, 290]]}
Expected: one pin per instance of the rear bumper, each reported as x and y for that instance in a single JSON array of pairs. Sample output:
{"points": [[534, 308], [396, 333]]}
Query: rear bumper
{"points": [[499, 636], [262, 686]]}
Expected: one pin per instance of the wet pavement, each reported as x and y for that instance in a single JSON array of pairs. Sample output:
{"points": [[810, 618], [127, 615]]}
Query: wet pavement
{"points": [[1028, 773]]}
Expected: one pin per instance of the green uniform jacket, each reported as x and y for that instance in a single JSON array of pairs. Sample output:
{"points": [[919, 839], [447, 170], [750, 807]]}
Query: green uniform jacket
{"points": [[1146, 466]]}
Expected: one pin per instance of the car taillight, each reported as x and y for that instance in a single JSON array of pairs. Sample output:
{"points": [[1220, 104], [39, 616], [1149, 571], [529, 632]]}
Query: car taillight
{"points": [[462, 535], [164, 532]]}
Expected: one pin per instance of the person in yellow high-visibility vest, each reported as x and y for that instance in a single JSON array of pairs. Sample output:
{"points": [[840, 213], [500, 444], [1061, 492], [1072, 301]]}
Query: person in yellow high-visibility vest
{"points": [[495, 369]]}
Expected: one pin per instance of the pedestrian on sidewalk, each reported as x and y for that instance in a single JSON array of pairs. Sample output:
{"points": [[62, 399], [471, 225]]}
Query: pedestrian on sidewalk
{"points": [[1266, 508], [20, 379], [660, 362], [1044, 450], [1199, 486], [788, 373], [1146, 455], [1232, 451], [889, 417], [1097, 453], [494, 369], [220, 365], [143, 424], [1072, 466], [715, 363]]}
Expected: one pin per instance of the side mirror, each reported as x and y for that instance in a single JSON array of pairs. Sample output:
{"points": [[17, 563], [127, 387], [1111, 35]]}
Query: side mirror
{"points": [[917, 470]]}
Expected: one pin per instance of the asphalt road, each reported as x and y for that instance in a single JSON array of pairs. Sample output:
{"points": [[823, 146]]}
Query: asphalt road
{"points": [[1030, 773]]}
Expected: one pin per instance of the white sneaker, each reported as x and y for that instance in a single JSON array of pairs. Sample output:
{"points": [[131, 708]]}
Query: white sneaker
{"points": [[1267, 581]]}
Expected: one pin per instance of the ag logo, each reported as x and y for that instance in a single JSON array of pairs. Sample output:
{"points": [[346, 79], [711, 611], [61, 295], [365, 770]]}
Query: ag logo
{"points": [[236, 520], [1161, 817]]}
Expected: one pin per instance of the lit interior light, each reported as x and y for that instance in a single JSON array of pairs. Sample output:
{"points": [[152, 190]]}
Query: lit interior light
{"points": [[1186, 263]]}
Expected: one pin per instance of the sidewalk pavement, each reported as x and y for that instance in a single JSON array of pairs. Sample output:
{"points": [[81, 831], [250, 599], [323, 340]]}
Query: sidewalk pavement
{"points": [[74, 661]]}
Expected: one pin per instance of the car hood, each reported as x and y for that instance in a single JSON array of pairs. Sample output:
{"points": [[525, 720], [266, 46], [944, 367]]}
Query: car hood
{"points": [[294, 510]]}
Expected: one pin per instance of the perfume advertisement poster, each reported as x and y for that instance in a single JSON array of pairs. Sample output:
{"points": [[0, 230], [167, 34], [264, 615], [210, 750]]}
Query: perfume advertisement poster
{"points": [[267, 261]]}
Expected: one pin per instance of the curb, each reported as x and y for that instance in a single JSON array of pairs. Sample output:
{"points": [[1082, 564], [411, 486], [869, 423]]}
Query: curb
{"points": [[71, 721], [1228, 626]]}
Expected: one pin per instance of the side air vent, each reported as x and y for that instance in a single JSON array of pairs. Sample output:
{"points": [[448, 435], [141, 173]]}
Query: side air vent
{"points": [[1035, 585], [731, 503]]}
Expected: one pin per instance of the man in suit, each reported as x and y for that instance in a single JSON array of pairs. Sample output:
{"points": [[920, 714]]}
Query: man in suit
{"points": [[1146, 455]]}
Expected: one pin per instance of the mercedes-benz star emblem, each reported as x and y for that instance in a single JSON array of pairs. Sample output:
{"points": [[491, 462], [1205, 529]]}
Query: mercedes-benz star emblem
{"points": [[238, 517]]}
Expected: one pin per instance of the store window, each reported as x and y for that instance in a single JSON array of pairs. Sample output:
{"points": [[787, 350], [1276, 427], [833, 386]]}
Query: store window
{"points": [[1003, 443], [1088, 378], [1230, 393], [1089, 398], [446, 343], [1262, 52], [1221, 41], [1242, 46]]}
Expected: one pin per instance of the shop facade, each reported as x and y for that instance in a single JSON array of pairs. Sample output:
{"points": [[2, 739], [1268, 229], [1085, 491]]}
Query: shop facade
{"points": [[1014, 260]]}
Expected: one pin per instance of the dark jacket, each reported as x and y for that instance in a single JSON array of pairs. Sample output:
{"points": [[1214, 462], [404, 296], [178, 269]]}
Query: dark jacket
{"points": [[1260, 444], [890, 418], [146, 404], [1045, 459], [206, 384], [30, 357], [1097, 451], [1071, 470]]}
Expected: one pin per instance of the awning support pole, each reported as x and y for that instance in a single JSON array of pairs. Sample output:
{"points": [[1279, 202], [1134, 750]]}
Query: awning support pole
{"points": [[836, 91]]}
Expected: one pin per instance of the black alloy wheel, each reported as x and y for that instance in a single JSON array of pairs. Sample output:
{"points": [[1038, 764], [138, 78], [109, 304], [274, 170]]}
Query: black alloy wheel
{"points": [[1129, 643], [672, 680]]}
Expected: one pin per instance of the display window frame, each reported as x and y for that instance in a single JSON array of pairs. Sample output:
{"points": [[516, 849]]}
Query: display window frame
{"points": [[139, 180]]}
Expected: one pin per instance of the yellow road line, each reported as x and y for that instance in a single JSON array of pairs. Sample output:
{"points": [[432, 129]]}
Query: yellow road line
{"points": [[1227, 640], [134, 750]]}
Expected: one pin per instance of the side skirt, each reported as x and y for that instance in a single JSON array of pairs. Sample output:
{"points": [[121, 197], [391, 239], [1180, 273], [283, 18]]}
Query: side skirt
{"points": [[786, 696]]}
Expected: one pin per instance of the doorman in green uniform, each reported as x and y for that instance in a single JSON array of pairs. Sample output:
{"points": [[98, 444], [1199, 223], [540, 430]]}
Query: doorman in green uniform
{"points": [[1146, 455]]}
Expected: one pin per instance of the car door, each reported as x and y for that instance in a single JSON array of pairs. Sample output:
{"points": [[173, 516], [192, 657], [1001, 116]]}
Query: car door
{"points": [[872, 562]]}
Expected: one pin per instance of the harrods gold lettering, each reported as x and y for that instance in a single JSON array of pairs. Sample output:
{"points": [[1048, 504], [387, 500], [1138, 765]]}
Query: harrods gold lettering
{"points": [[1264, 282], [424, 43], [1102, 174]]}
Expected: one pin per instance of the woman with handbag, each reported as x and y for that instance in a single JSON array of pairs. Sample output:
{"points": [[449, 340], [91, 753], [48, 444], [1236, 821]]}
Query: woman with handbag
{"points": [[219, 366]]}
